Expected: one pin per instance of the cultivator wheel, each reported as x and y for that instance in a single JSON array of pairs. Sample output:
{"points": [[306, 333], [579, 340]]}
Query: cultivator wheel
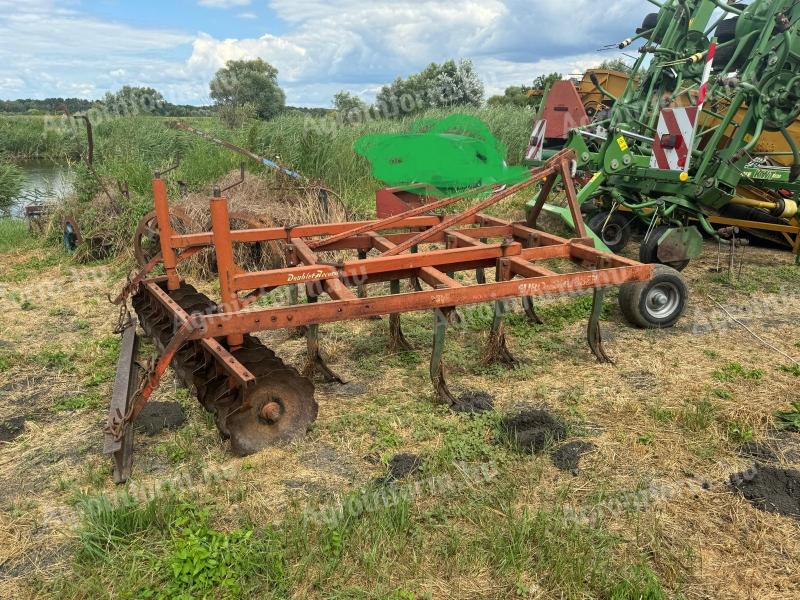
{"points": [[277, 408], [146, 240]]}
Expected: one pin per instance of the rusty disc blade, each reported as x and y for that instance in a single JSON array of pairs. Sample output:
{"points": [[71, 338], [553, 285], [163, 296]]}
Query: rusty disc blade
{"points": [[284, 395]]}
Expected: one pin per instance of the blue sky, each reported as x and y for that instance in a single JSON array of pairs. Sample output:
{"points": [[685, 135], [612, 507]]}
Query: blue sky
{"points": [[85, 48]]}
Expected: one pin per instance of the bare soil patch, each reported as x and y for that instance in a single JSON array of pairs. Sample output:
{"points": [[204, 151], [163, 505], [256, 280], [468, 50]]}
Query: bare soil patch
{"points": [[532, 430], [158, 416], [11, 429], [568, 457], [770, 489]]}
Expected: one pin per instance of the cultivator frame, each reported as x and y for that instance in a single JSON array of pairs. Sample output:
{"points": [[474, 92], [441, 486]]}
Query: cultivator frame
{"points": [[211, 345]]}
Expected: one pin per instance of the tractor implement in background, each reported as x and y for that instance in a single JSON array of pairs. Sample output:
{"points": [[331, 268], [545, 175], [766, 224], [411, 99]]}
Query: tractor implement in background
{"points": [[270, 164], [256, 398], [703, 136], [324, 194]]}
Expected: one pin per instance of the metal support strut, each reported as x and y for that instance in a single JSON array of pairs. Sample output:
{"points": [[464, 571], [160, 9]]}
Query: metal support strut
{"points": [[440, 319], [315, 363], [594, 334], [530, 311], [294, 299], [497, 351], [398, 342]]}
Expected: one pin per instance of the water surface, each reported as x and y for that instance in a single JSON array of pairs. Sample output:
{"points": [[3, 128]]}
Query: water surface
{"points": [[45, 181]]}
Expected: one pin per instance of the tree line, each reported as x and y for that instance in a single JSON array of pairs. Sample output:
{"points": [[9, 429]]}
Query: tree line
{"points": [[51, 106], [245, 89]]}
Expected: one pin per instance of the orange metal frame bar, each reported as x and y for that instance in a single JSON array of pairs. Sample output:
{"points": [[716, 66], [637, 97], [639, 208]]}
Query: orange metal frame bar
{"points": [[467, 248]]}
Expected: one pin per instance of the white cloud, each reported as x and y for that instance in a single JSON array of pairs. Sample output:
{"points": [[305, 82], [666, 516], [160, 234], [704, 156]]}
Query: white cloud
{"points": [[224, 3], [328, 45], [350, 44]]}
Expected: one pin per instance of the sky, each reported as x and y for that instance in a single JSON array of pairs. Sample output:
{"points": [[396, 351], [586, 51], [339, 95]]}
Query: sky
{"points": [[85, 48]]}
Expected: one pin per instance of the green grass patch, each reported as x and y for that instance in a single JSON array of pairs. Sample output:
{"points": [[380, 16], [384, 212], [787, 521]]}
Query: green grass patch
{"points": [[56, 358], [789, 420], [34, 266], [738, 432], [661, 414], [792, 369], [367, 543], [13, 234], [733, 371], [110, 525], [698, 415], [722, 394], [7, 360], [79, 402]]}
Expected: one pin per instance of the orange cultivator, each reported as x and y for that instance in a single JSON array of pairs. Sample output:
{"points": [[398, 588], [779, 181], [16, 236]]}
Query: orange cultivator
{"points": [[256, 399]]}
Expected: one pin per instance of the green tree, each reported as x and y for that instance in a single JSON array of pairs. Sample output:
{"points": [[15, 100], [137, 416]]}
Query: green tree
{"points": [[545, 81], [135, 101], [615, 64], [516, 95], [249, 82], [349, 107], [437, 86]]}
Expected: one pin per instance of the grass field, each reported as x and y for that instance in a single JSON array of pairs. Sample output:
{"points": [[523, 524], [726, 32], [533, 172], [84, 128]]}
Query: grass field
{"points": [[647, 514]]}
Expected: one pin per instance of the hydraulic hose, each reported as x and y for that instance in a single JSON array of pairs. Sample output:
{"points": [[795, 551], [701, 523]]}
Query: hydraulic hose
{"points": [[794, 171], [727, 7]]}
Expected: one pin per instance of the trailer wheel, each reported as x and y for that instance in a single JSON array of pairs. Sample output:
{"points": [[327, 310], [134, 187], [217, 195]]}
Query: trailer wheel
{"points": [[648, 250], [71, 234], [614, 231], [655, 304]]}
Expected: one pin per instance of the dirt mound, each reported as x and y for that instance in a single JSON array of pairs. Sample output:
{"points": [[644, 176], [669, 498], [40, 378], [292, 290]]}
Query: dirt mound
{"points": [[758, 451], [473, 402], [12, 429], [532, 430], [403, 465], [158, 416], [568, 456], [770, 489]]}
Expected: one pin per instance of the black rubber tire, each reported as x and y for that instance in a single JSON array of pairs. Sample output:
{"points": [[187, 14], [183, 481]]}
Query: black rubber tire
{"points": [[617, 231], [724, 56], [649, 22], [648, 250], [655, 304], [726, 30]]}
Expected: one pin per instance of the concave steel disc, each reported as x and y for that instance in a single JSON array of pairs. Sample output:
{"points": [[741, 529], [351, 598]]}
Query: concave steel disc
{"points": [[278, 409]]}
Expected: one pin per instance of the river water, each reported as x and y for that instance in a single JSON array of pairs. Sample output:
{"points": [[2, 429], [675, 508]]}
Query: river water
{"points": [[45, 181]]}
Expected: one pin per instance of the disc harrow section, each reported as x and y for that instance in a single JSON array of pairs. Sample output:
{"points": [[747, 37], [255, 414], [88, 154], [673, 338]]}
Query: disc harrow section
{"points": [[278, 408]]}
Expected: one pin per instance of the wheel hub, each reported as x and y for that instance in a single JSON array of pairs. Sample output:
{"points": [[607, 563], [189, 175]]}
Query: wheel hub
{"points": [[612, 234], [662, 300], [271, 412]]}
